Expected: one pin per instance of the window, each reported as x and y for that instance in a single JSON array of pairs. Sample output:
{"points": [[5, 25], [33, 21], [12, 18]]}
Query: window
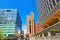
{"points": [[8, 10], [49, 0], [54, 3], [46, 5], [30, 28], [4, 27], [57, 0], [46, 11], [29, 22], [51, 6], [58, 31], [8, 32]]}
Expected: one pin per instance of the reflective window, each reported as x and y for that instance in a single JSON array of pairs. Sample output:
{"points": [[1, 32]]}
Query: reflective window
{"points": [[54, 3], [57, 0], [46, 11], [8, 10], [49, 0], [47, 3], [51, 6]]}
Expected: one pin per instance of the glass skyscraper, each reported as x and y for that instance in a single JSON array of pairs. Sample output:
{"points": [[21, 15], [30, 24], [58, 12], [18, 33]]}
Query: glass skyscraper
{"points": [[9, 20]]}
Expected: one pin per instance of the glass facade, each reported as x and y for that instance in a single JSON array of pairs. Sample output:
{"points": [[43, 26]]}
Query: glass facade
{"points": [[8, 19], [18, 21], [8, 28]]}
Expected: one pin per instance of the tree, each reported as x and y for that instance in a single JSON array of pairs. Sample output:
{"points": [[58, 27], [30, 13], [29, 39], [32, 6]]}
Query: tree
{"points": [[2, 36], [17, 35]]}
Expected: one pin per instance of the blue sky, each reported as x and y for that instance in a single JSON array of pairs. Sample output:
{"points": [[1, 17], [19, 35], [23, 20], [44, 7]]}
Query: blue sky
{"points": [[24, 7]]}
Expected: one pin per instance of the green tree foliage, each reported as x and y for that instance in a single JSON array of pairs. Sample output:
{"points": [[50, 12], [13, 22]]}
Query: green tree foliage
{"points": [[2, 36]]}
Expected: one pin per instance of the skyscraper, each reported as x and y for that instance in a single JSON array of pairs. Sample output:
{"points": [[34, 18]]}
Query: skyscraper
{"points": [[48, 11], [30, 24], [8, 19]]}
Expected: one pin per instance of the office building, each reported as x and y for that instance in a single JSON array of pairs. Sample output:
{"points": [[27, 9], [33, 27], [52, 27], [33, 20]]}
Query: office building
{"points": [[9, 20], [48, 12], [30, 24], [49, 16]]}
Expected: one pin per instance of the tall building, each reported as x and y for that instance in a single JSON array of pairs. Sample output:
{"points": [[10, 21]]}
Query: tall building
{"points": [[18, 21], [8, 21], [30, 24], [48, 12]]}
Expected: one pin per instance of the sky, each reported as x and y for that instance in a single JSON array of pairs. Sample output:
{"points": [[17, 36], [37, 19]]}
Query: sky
{"points": [[24, 7]]}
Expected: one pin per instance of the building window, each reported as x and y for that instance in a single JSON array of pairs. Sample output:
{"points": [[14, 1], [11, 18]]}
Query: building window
{"points": [[51, 6], [46, 5], [57, 0], [30, 28], [49, 0], [29, 22], [46, 11], [54, 3], [8, 10]]}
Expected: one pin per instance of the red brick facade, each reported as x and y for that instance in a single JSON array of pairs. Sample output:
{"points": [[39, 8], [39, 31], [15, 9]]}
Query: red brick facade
{"points": [[38, 28]]}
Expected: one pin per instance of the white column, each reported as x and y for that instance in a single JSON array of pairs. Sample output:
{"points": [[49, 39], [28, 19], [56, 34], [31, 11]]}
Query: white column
{"points": [[48, 1], [50, 7], [52, 3], [55, 2], [39, 35], [42, 35], [49, 34]]}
